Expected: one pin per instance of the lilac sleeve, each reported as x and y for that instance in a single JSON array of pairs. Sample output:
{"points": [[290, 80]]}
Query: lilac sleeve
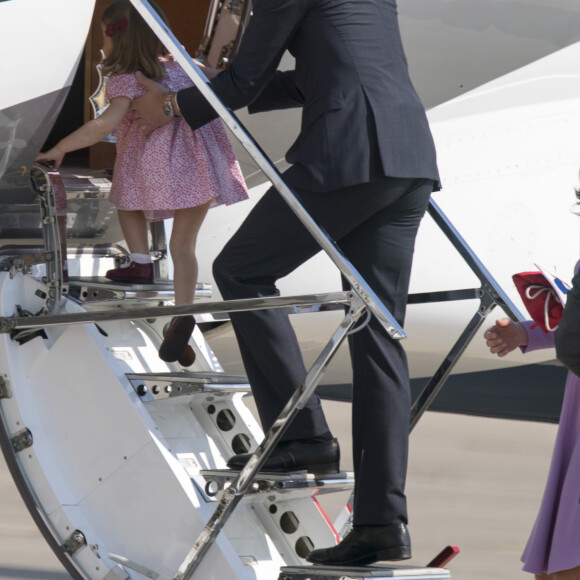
{"points": [[537, 338]]}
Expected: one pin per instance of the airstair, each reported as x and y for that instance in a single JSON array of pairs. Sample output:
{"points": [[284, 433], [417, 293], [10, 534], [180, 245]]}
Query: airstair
{"points": [[121, 458]]}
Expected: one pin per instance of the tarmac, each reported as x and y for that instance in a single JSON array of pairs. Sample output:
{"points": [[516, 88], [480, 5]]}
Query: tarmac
{"points": [[473, 482]]}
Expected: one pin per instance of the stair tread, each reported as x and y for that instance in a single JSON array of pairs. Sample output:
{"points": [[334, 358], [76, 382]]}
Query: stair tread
{"points": [[291, 476], [374, 571], [165, 386], [190, 376], [102, 282], [265, 482]]}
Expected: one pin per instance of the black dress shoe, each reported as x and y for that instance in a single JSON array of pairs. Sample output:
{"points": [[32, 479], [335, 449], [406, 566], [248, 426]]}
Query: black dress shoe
{"points": [[366, 544], [323, 457]]}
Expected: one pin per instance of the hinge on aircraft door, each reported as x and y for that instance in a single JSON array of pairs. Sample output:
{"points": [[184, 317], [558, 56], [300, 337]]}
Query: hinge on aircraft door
{"points": [[5, 391], [22, 440], [74, 542]]}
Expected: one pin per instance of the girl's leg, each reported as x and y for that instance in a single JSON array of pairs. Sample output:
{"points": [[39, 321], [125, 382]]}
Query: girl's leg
{"points": [[135, 230], [544, 576], [186, 226], [134, 227]]}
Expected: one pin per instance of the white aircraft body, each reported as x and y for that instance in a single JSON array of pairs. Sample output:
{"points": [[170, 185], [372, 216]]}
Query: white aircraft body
{"points": [[119, 456]]}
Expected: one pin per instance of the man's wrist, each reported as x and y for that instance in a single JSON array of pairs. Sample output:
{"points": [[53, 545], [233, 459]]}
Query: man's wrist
{"points": [[170, 106]]}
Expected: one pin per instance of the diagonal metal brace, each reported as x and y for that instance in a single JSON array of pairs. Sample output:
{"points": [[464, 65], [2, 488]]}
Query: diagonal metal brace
{"points": [[234, 494], [436, 382], [491, 295], [488, 283]]}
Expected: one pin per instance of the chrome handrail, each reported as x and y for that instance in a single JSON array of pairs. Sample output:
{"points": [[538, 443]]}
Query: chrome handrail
{"points": [[10, 323]]}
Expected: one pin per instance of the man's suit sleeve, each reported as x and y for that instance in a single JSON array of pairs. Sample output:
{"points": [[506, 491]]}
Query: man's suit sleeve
{"points": [[567, 337], [280, 93], [269, 32]]}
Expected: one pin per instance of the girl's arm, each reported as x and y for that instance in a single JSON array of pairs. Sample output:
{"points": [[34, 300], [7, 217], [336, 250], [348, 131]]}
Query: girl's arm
{"points": [[505, 336], [89, 134], [537, 338]]}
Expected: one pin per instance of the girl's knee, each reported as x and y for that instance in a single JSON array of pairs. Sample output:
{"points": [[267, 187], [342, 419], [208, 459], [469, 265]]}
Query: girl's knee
{"points": [[180, 248]]}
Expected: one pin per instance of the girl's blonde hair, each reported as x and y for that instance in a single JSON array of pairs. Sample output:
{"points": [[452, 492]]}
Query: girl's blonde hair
{"points": [[135, 46]]}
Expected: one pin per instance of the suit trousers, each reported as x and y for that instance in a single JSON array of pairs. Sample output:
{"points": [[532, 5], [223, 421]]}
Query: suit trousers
{"points": [[375, 225]]}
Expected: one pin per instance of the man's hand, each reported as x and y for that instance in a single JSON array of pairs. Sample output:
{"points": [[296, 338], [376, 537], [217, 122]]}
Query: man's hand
{"points": [[148, 109]]}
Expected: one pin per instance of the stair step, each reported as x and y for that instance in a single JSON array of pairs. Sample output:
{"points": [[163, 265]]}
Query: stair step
{"points": [[100, 289], [282, 482], [157, 386], [347, 573]]}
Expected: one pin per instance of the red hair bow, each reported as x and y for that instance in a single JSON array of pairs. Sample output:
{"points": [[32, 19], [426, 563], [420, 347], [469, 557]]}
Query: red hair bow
{"points": [[113, 28]]}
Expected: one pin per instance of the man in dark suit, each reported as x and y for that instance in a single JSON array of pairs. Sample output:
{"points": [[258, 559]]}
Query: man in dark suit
{"points": [[364, 167]]}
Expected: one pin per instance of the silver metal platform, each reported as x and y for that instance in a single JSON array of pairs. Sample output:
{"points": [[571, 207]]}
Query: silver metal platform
{"points": [[280, 482], [377, 571], [159, 386], [100, 289]]}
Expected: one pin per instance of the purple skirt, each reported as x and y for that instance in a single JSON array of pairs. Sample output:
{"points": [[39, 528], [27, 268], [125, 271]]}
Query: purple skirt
{"points": [[554, 544]]}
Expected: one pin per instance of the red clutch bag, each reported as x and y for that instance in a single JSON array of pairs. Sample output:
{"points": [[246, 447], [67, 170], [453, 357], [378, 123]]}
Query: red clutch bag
{"points": [[543, 295]]}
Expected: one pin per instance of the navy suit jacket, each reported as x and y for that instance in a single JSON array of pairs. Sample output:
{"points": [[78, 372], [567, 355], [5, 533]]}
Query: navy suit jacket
{"points": [[361, 120]]}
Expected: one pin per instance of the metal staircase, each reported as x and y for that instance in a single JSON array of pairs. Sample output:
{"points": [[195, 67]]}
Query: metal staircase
{"points": [[199, 416]]}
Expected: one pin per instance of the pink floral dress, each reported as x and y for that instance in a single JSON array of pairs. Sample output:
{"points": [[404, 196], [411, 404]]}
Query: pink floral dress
{"points": [[174, 167]]}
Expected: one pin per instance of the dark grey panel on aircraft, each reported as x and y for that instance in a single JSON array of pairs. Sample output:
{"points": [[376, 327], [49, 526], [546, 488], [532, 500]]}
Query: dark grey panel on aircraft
{"points": [[529, 393], [454, 46]]}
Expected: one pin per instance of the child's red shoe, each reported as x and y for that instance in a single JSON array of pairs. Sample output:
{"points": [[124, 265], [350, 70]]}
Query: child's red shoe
{"points": [[175, 345], [136, 273]]}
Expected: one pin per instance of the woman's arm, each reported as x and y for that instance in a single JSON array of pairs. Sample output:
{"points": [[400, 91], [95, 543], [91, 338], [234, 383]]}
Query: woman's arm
{"points": [[89, 134]]}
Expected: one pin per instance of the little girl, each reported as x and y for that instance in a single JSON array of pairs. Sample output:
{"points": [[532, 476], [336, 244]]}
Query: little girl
{"points": [[174, 172]]}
